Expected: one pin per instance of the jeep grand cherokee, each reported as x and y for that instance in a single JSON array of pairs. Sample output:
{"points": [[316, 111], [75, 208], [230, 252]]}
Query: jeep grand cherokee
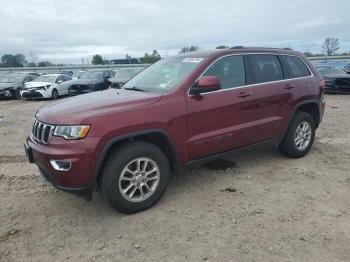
{"points": [[180, 111]]}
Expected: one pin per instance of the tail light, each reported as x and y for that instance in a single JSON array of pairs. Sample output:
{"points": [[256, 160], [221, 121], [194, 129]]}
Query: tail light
{"points": [[322, 84]]}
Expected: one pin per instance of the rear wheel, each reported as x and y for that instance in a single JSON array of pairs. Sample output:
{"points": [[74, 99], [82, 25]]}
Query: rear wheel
{"points": [[300, 136], [54, 94], [134, 177]]}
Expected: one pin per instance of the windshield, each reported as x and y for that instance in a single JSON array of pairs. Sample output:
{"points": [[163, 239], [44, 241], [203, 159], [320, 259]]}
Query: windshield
{"points": [[164, 75], [78, 74], [329, 70], [126, 73], [11, 79], [91, 75], [48, 79]]}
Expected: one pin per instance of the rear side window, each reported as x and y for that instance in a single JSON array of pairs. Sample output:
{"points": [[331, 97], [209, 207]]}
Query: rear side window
{"points": [[295, 67], [265, 68], [230, 71]]}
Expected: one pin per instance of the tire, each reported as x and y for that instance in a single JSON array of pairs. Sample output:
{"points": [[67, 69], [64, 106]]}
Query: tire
{"points": [[293, 147], [115, 178], [54, 94]]}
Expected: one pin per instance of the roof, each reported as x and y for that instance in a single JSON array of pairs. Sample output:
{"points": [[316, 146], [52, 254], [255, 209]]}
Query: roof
{"points": [[237, 49], [54, 74]]}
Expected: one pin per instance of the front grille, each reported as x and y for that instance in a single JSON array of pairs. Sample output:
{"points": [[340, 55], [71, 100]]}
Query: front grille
{"points": [[32, 95], [42, 132], [343, 81]]}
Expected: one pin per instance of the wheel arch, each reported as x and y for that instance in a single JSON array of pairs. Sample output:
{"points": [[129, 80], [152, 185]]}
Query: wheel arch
{"points": [[308, 106], [158, 137]]}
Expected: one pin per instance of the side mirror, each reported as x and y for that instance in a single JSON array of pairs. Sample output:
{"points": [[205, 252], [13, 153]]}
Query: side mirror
{"points": [[59, 82], [206, 84]]}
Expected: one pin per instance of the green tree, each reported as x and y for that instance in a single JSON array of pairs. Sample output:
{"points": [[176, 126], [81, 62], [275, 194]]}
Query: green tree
{"points": [[9, 60], [97, 60], [330, 45], [44, 64], [222, 47], [188, 49], [150, 59]]}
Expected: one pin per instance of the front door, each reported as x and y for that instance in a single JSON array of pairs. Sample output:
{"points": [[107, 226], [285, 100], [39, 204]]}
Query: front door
{"points": [[221, 120]]}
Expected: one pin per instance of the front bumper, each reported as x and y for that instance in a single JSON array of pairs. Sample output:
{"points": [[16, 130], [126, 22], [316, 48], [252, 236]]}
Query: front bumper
{"points": [[337, 89], [79, 180], [7, 92], [32, 94]]}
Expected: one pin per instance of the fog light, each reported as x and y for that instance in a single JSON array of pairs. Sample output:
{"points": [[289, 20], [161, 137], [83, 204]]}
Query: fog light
{"points": [[61, 165]]}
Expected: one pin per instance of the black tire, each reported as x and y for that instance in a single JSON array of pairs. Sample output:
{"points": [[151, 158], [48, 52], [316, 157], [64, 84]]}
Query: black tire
{"points": [[288, 145], [117, 160], [54, 94]]}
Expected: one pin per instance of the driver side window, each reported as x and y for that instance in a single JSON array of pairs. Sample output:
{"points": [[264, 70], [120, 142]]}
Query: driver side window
{"points": [[230, 70]]}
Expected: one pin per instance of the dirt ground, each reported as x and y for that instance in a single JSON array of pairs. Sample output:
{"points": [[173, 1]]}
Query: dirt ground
{"points": [[260, 206]]}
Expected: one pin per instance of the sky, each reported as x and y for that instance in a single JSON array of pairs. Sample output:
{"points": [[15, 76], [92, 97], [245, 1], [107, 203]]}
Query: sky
{"points": [[67, 31]]}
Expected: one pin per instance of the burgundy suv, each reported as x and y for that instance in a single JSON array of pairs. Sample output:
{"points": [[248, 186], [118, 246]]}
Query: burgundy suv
{"points": [[180, 111]]}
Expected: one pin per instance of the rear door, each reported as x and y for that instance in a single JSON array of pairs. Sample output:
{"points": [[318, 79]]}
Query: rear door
{"points": [[273, 95], [296, 69], [221, 120]]}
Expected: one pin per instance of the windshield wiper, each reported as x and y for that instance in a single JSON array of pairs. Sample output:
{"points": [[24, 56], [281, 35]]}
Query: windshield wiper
{"points": [[134, 88]]}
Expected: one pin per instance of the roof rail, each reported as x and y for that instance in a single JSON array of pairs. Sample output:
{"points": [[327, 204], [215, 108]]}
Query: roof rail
{"points": [[242, 47]]}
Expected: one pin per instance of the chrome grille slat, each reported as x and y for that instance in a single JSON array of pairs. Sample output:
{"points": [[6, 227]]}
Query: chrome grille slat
{"points": [[42, 132]]}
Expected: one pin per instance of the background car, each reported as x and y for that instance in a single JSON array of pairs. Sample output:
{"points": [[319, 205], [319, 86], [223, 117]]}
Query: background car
{"points": [[78, 74], [70, 73], [12, 84], [90, 81], [122, 76], [46, 86], [337, 80]]}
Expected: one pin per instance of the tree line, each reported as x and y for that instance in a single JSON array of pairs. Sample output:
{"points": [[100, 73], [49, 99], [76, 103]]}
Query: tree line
{"points": [[329, 47]]}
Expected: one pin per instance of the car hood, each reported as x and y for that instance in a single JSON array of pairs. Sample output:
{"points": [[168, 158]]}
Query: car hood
{"points": [[76, 109], [37, 84], [337, 76], [83, 81]]}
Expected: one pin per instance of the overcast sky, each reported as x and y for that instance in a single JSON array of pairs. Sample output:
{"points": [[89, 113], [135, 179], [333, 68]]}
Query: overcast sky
{"points": [[66, 31]]}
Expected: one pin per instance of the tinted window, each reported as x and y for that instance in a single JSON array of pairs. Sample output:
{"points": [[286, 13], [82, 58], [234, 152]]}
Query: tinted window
{"points": [[66, 78], [266, 68], [230, 70], [296, 67]]}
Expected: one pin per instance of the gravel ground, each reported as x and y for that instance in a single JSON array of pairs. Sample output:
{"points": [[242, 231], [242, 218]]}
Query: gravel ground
{"points": [[258, 206]]}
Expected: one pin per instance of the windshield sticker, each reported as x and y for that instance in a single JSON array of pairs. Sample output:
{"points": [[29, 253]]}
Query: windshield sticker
{"points": [[192, 60]]}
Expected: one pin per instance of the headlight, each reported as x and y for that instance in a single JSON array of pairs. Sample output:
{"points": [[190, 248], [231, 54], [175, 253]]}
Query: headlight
{"points": [[71, 132]]}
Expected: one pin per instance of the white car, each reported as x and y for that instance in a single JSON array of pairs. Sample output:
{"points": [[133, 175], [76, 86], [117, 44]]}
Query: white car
{"points": [[46, 86]]}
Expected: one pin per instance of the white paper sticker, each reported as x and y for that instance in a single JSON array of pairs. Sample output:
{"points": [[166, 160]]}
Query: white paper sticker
{"points": [[192, 60]]}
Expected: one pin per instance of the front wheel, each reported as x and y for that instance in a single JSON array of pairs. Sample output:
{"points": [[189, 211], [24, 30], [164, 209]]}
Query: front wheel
{"points": [[300, 136], [54, 94], [134, 177]]}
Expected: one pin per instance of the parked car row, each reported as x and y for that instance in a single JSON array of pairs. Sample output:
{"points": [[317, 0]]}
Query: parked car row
{"points": [[33, 85]]}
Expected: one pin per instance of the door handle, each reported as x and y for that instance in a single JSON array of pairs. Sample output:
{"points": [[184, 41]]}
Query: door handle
{"points": [[289, 86], [244, 94]]}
